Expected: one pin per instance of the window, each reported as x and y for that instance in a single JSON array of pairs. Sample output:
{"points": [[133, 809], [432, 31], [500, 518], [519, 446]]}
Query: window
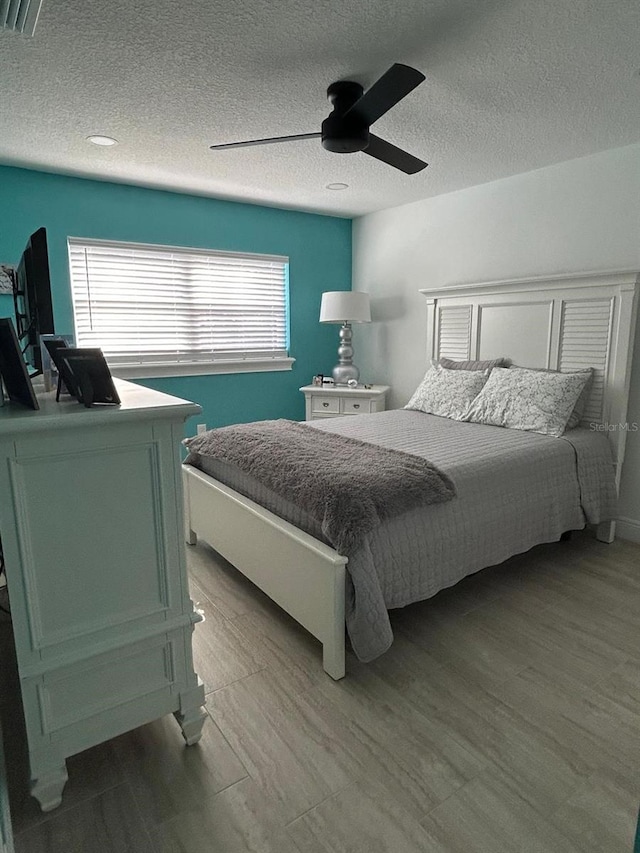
{"points": [[161, 310]]}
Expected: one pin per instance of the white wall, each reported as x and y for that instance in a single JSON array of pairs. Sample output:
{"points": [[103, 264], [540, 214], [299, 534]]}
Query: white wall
{"points": [[577, 216]]}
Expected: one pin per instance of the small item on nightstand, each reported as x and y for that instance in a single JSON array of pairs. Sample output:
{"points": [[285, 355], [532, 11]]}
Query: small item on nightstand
{"points": [[352, 383], [327, 380], [368, 387], [317, 379]]}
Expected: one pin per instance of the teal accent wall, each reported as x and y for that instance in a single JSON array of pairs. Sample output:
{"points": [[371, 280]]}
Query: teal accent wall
{"points": [[319, 250]]}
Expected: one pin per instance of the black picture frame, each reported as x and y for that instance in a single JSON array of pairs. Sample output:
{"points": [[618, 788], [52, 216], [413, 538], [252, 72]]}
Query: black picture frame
{"points": [[89, 372], [64, 371], [52, 346], [13, 369]]}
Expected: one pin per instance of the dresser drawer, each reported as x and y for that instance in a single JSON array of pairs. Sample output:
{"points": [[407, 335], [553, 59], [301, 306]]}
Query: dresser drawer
{"points": [[325, 405], [356, 406], [73, 698]]}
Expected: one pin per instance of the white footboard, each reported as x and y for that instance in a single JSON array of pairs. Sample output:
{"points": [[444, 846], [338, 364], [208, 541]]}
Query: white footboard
{"points": [[304, 576]]}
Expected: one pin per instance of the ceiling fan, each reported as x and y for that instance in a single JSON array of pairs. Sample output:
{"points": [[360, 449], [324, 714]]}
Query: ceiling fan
{"points": [[346, 128]]}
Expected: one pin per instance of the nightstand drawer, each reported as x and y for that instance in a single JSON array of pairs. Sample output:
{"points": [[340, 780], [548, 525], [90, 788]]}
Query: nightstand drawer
{"points": [[325, 405], [356, 406]]}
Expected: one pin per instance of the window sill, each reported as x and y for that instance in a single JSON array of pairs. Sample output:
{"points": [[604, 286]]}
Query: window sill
{"points": [[200, 368]]}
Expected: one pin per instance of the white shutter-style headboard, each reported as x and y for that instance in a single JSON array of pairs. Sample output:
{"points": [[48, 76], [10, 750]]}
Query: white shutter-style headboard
{"points": [[562, 322]]}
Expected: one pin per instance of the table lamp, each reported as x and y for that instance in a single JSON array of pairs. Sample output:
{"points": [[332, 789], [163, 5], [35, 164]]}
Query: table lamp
{"points": [[345, 307]]}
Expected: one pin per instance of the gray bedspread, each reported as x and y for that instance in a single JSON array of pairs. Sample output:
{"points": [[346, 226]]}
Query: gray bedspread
{"points": [[514, 490], [346, 485]]}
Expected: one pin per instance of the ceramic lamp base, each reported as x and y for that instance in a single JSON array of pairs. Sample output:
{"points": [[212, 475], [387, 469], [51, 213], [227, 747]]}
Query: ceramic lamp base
{"points": [[345, 373], [345, 370]]}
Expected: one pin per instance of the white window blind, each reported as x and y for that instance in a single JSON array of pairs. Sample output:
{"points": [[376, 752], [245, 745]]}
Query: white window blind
{"points": [[145, 304]]}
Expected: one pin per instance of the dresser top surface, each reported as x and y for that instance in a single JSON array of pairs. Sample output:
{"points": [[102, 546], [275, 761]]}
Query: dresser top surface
{"points": [[137, 403]]}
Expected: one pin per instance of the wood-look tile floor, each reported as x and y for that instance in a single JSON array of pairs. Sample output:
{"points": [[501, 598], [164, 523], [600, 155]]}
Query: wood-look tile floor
{"points": [[506, 717]]}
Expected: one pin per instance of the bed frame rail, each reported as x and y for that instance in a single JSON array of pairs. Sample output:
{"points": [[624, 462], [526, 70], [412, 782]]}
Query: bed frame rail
{"points": [[302, 575]]}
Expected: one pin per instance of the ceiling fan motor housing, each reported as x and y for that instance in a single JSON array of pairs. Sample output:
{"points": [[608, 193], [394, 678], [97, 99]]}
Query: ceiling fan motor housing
{"points": [[344, 134]]}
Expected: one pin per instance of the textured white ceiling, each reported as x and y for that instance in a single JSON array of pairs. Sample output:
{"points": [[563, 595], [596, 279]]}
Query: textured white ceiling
{"points": [[512, 85]]}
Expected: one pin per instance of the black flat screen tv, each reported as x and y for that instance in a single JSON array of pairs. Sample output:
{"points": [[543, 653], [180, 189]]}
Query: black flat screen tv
{"points": [[32, 299]]}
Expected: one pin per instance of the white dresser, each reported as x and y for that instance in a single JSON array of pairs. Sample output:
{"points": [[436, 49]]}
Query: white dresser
{"points": [[92, 531], [332, 401]]}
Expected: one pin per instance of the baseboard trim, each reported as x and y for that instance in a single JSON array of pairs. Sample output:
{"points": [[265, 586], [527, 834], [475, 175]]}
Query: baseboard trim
{"points": [[628, 528]]}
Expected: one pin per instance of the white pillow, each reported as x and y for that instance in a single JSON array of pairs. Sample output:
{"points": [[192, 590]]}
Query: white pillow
{"points": [[447, 393], [527, 399]]}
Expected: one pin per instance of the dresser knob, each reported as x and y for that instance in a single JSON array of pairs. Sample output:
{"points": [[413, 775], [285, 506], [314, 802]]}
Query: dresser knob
{"points": [[325, 405], [356, 405]]}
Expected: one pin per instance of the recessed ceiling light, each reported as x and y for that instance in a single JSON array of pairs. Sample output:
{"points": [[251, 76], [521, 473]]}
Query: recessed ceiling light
{"points": [[337, 186], [102, 140]]}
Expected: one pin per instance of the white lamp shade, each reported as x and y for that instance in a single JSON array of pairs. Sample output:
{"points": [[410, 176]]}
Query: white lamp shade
{"points": [[345, 306]]}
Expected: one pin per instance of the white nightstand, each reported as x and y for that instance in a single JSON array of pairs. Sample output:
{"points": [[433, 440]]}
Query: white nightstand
{"points": [[333, 401]]}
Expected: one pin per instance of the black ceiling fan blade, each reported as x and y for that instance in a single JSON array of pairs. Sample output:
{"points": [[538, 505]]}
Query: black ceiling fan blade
{"points": [[396, 157], [268, 141], [393, 86]]}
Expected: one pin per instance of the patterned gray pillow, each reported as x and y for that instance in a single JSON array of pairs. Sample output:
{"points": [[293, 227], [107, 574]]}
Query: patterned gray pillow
{"points": [[525, 399], [578, 410], [447, 393], [489, 364]]}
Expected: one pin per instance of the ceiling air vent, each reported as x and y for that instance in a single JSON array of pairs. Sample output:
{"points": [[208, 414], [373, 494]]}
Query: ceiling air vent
{"points": [[21, 16]]}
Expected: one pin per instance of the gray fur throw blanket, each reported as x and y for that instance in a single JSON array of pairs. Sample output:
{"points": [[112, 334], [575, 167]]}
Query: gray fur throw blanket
{"points": [[348, 486]]}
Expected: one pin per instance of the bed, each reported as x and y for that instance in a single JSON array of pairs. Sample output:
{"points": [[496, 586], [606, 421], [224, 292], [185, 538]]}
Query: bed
{"points": [[515, 489]]}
